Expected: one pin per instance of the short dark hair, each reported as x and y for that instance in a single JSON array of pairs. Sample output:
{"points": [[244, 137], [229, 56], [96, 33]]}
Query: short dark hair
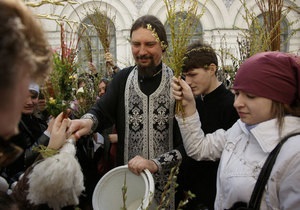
{"points": [[199, 55], [105, 80], [155, 23]]}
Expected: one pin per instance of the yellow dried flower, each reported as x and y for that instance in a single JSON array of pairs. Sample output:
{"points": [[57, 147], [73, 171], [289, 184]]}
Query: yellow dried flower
{"points": [[162, 44], [72, 77], [52, 100]]}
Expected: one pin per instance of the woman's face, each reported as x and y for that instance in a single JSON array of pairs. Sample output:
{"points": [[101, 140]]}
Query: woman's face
{"points": [[15, 98], [30, 102], [253, 109], [102, 88]]}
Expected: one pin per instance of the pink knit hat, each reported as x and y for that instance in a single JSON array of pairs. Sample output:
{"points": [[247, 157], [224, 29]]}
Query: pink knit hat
{"points": [[272, 75]]}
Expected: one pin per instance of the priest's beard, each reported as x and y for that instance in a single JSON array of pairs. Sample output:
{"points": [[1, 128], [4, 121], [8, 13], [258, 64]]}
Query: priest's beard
{"points": [[146, 71]]}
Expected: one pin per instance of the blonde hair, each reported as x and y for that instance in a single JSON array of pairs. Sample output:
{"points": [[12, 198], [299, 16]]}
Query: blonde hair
{"points": [[22, 41], [280, 110]]}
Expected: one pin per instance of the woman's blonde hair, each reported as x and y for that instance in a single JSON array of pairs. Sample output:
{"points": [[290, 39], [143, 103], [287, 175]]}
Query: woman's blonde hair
{"points": [[22, 41], [280, 110]]}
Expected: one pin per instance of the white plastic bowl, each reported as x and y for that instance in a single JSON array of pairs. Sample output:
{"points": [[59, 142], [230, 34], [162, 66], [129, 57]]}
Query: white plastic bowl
{"points": [[108, 191]]}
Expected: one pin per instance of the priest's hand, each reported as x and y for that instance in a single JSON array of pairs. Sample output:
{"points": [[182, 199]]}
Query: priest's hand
{"points": [[138, 164], [80, 127]]}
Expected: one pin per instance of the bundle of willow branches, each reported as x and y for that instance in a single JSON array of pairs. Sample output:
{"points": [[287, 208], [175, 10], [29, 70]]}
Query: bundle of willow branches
{"points": [[102, 24], [181, 16]]}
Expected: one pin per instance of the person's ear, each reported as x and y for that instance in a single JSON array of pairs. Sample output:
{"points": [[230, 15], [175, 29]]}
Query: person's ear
{"points": [[213, 68]]}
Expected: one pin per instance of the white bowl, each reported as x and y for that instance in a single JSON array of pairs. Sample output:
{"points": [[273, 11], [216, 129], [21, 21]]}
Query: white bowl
{"points": [[108, 191]]}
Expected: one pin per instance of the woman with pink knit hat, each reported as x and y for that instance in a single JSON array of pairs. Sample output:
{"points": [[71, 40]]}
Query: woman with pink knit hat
{"points": [[267, 93]]}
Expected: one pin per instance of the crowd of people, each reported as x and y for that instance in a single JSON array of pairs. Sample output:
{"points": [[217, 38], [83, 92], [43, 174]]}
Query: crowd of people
{"points": [[221, 141]]}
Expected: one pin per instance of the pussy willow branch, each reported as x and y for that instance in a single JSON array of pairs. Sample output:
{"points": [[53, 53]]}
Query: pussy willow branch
{"points": [[53, 2], [182, 28]]}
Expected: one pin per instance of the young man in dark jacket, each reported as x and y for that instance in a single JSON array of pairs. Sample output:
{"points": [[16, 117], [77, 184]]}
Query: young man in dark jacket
{"points": [[215, 106]]}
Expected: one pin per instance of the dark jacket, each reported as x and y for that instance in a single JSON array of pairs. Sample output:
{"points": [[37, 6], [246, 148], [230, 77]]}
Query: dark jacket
{"points": [[31, 134]]}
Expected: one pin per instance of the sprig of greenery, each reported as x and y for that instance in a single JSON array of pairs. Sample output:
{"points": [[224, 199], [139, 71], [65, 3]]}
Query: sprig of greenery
{"points": [[258, 36], [52, 2], [102, 24], [264, 35], [169, 190], [182, 28], [100, 21], [44, 151], [59, 86], [124, 194], [162, 44], [59, 90]]}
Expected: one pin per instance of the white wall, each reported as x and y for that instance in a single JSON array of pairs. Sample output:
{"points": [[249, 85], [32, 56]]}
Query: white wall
{"points": [[217, 21]]}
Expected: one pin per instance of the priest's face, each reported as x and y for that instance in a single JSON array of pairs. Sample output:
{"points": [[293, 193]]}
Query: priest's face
{"points": [[146, 50]]}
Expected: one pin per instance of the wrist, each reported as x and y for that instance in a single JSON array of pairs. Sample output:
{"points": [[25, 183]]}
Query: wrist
{"points": [[156, 166], [189, 109], [94, 120]]}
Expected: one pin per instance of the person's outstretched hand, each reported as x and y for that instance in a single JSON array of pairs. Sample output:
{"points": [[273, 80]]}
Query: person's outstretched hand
{"points": [[138, 164], [59, 132], [183, 92]]}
